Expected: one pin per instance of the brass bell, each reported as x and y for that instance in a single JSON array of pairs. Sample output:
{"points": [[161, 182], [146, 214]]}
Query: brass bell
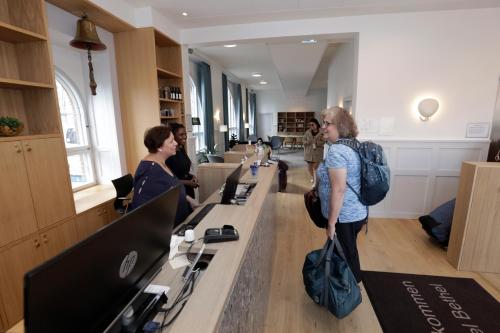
{"points": [[86, 38]]}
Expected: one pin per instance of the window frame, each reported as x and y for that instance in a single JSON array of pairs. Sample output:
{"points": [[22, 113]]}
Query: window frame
{"points": [[87, 148], [199, 134]]}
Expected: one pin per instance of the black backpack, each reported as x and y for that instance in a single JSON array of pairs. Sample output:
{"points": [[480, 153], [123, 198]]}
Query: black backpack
{"points": [[375, 173]]}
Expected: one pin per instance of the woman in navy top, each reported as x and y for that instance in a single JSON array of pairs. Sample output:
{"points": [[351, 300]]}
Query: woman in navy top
{"points": [[339, 203], [153, 177]]}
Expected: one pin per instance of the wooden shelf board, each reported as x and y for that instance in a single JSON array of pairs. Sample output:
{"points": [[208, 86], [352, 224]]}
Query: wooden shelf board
{"points": [[96, 14], [169, 117], [13, 34], [20, 84], [28, 137], [166, 74], [170, 100], [163, 40]]}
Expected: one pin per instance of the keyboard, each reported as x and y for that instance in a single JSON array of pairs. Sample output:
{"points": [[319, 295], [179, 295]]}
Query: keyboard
{"points": [[196, 219]]}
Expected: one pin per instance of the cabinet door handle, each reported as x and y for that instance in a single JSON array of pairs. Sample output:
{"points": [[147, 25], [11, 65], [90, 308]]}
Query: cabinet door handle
{"points": [[17, 148], [45, 239], [36, 242], [28, 147]]}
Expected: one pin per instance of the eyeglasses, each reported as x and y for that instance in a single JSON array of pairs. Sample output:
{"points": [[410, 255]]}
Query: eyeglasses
{"points": [[327, 123]]}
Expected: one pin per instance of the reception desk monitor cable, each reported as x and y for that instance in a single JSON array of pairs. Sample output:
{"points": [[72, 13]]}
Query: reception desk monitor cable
{"points": [[186, 291]]}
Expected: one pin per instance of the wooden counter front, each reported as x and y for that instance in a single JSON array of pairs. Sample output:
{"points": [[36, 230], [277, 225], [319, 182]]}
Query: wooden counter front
{"points": [[475, 233], [231, 295]]}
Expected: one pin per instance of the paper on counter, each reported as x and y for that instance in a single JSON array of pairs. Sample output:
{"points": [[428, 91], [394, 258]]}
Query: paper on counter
{"points": [[156, 289], [179, 261], [175, 241]]}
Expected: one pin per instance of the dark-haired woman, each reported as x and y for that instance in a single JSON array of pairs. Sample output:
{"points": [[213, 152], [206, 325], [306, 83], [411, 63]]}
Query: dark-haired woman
{"points": [[313, 148], [153, 176], [180, 164]]}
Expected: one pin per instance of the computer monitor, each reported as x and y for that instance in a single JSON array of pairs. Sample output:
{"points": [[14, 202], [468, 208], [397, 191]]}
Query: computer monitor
{"points": [[231, 186], [87, 287]]}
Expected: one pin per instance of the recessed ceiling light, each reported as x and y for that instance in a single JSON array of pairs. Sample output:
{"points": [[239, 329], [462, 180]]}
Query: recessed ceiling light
{"points": [[309, 41], [230, 45], [184, 14], [263, 82], [256, 75]]}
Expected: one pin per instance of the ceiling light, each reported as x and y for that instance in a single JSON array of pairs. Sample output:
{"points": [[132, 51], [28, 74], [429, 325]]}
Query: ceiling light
{"points": [[184, 14], [256, 75], [263, 82], [230, 45], [309, 41]]}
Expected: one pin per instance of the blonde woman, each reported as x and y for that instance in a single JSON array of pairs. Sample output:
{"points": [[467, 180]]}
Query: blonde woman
{"points": [[339, 203], [313, 148]]}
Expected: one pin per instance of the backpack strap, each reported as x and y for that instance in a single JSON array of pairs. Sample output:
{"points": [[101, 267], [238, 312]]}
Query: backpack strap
{"points": [[354, 144]]}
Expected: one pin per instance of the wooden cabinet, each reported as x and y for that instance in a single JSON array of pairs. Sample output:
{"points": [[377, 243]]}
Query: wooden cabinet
{"points": [[49, 180], [294, 122], [474, 240], [58, 238], [146, 61], [35, 182], [87, 223], [18, 214], [19, 258], [15, 261]]}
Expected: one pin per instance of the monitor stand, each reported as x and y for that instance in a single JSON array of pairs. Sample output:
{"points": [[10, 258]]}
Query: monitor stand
{"points": [[143, 309]]}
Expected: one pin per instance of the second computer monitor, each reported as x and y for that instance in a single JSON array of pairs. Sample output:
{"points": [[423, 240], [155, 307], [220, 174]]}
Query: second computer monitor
{"points": [[231, 186]]}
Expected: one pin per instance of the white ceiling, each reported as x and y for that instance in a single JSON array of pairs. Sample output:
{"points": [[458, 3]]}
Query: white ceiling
{"points": [[223, 12], [285, 63]]}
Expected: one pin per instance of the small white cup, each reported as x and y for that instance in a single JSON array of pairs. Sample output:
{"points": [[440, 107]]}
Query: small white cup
{"points": [[189, 235]]}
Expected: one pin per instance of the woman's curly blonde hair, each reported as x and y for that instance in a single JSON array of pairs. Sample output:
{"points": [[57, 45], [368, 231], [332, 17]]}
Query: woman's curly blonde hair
{"points": [[346, 126]]}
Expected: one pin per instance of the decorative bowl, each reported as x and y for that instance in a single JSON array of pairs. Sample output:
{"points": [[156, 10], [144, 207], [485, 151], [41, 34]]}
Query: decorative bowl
{"points": [[8, 131]]}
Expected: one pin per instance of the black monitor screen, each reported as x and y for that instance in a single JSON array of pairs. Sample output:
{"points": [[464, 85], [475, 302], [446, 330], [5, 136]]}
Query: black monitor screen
{"points": [[85, 288], [231, 186]]}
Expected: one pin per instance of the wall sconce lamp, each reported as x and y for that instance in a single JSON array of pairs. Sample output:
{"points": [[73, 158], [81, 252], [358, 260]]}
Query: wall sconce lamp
{"points": [[86, 38], [427, 107], [195, 121], [247, 125], [223, 128]]}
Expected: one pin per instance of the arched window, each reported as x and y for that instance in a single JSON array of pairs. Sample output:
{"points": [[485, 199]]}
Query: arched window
{"points": [[76, 134]]}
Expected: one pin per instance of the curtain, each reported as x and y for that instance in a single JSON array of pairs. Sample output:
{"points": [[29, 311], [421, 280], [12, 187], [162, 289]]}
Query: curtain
{"points": [[206, 100], [253, 111], [225, 110], [239, 110]]}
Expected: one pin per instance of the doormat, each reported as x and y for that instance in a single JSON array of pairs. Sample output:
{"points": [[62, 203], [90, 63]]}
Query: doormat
{"points": [[424, 303]]}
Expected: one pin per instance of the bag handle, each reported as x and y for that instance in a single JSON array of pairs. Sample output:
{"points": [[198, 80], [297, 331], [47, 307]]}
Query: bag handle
{"points": [[323, 253]]}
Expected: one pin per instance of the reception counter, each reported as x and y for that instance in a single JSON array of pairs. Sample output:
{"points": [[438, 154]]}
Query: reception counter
{"points": [[231, 294]]}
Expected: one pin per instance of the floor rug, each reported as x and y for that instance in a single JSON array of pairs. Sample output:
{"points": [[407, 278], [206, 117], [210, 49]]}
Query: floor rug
{"points": [[423, 303]]}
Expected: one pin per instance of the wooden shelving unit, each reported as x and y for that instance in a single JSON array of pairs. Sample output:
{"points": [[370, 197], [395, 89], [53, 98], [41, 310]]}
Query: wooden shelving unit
{"points": [[36, 195], [147, 61], [293, 122]]}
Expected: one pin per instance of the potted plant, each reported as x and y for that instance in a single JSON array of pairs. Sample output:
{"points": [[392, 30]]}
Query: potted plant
{"points": [[201, 156], [10, 126], [234, 141]]}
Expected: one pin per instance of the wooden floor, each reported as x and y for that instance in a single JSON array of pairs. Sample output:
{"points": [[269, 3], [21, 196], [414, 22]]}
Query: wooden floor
{"points": [[391, 245]]}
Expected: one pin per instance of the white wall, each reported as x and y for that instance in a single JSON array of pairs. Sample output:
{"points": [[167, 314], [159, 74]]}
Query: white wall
{"points": [[452, 55], [104, 109], [495, 130], [270, 102], [341, 75]]}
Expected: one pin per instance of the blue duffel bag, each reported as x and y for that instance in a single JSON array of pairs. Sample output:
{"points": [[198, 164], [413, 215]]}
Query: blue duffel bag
{"points": [[329, 281]]}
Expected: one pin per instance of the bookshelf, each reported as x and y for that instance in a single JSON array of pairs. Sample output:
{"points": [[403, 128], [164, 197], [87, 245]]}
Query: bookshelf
{"points": [[27, 90], [147, 63], [293, 122]]}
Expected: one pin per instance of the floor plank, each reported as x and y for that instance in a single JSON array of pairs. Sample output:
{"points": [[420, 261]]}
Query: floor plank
{"points": [[391, 245]]}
